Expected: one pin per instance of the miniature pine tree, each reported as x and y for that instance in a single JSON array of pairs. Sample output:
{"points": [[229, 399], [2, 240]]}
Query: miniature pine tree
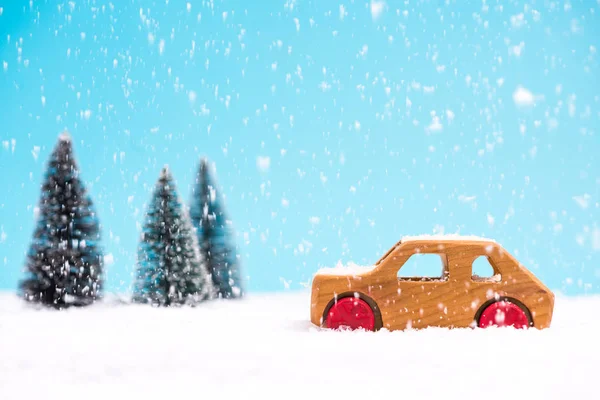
{"points": [[215, 235], [64, 263], [170, 268]]}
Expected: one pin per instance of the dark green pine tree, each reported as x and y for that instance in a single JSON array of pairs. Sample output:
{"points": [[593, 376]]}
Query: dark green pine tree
{"points": [[64, 263], [215, 235], [170, 268]]}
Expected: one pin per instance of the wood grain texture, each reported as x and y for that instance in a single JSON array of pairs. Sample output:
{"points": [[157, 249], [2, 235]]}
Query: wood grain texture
{"points": [[451, 301]]}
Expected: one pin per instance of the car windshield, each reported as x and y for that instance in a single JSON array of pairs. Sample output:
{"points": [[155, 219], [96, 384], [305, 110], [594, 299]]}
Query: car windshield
{"points": [[394, 247]]}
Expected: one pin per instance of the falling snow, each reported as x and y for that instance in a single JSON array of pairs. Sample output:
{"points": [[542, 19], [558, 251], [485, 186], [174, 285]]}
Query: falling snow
{"points": [[263, 163], [377, 8], [582, 201], [435, 125], [523, 97]]}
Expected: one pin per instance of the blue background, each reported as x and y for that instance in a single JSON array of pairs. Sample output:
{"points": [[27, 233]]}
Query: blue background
{"points": [[345, 101]]}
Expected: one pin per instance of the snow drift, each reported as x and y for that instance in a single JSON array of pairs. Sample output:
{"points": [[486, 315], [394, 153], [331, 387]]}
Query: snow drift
{"points": [[264, 346]]}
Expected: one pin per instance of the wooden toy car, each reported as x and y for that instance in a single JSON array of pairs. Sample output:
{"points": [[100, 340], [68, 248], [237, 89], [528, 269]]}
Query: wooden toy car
{"points": [[375, 297]]}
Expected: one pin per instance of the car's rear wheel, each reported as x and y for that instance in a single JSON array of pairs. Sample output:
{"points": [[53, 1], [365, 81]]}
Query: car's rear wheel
{"points": [[504, 313], [351, 313]]}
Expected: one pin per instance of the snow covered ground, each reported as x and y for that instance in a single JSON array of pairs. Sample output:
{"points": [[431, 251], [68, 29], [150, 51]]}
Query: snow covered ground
{"points": [[265, 347]]}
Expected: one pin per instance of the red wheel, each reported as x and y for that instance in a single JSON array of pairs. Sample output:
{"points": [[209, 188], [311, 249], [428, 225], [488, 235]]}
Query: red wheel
{"points": [[351, 313], [503, 313]]}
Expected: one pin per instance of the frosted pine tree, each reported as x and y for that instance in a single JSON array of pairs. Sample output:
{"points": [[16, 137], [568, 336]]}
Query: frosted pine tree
{"points": [[170, 268], [215, 235], [64, 263]]}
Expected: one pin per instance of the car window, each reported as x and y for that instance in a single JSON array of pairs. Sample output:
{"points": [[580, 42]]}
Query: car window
{"points": [[424, 265], [483, 271]]}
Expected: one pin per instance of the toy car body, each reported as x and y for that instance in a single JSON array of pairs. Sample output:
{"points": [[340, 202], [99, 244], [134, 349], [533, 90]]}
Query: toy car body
{"points": [[375, 297]]}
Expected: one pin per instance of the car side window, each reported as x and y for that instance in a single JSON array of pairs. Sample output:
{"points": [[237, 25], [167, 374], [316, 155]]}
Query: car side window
{"points": [[483, 271], [424, 266]]}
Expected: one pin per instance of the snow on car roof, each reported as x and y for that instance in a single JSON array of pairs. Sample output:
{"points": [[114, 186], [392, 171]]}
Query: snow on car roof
{"points": [[348, 269], [445, 236]]}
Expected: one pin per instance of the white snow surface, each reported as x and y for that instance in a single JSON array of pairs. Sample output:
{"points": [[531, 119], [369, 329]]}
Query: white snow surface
{"points": [[265, 347]]}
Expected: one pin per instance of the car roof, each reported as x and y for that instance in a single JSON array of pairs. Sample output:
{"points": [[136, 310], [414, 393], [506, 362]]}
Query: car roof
{"points": [[445, 238], [437, 239]]}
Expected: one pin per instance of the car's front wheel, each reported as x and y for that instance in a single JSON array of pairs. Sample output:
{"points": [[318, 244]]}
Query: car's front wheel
{"points": [[505, 313]]}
